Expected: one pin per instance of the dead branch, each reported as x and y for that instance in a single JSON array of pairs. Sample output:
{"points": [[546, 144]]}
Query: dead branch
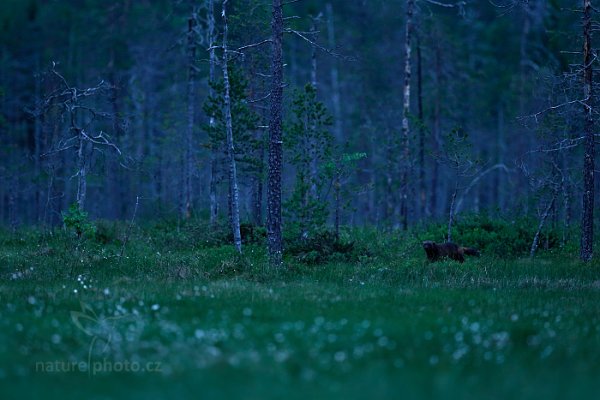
{"points": [[303, 36], [476, 180]]}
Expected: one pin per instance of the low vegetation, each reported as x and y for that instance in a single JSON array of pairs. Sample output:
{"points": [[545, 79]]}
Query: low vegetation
{"points": [[362, 313]]}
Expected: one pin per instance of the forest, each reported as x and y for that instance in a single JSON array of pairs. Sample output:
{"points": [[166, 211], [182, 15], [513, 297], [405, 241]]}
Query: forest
{"points": [[299, 198]]}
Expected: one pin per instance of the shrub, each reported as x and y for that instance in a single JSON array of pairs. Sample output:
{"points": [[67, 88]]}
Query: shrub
{"points": [[251, 234], [320, 247], [498, 237], [196, 234], [109, 232], [76, 219]]}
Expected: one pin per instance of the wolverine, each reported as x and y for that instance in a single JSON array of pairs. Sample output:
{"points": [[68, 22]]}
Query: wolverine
{"points": [[451, 250]]}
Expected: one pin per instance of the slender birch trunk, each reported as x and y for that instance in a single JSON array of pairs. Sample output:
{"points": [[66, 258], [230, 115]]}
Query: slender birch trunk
{"points": [[214, 209], [405, 114], [233, 184], [81, 171], [536, 238]]}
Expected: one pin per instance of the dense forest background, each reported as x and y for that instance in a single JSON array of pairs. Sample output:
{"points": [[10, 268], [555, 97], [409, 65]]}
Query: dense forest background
{"points": [[484, 133]]}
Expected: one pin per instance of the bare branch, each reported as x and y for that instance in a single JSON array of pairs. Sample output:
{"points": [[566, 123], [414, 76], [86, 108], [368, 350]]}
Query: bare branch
{"points": [[555, 107], [249, 46], [475, 180], [260, 99], [313, 43], [447, 5]]}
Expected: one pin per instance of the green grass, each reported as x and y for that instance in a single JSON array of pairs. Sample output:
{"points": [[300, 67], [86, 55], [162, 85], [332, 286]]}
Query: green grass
{"points": [[388, 325]]}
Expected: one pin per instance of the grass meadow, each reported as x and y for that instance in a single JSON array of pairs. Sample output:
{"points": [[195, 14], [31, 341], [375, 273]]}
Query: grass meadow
{"points": [[166, 317]]}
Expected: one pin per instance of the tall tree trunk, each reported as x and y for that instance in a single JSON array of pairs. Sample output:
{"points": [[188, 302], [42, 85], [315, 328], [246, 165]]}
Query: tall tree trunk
{"points": [[119, 183], [47, 203], [257, 193], [437, 117], [587, 220], [233, 184], [81, 171], [259, 153], [452, 208], [274, 240], [38, 145], [405, 114], [335, 82], [337, 187], [116, 179], [313, 56], [337, 115], [214, 151], [113, 205], [498, 188], [312, 145], [566, 203], [524, 61], [423, 209], [188, 167], [13, 213], [536, 238], [389, 183]]}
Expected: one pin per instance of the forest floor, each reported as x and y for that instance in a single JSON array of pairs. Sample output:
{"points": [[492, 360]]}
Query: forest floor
{"points": [[165, 320]]}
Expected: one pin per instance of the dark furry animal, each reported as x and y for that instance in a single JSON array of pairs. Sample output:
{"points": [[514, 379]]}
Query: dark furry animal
{"points": [[451, 250]]}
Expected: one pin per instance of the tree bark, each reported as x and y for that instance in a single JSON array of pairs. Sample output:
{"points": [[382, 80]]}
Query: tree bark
{"points": [[437, 116], [214, 206], [587, 220], [451, 213], [116, 180], [423, 209], [312, 145], [13, 213], [500, 150], [337, 115], [337, 186], [81, 171], [566, 203], [257, 180], [38, 145], [536, 238], [188, 166], [335, 82], [233, 184], [257, 193], [405, 114], [313, 56], [274, 239]]}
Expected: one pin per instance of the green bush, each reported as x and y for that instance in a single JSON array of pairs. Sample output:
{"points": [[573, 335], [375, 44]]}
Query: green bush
{"points": [[196, 234], [499, 237], [109, 232], [77, 220], [319, 248]]}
